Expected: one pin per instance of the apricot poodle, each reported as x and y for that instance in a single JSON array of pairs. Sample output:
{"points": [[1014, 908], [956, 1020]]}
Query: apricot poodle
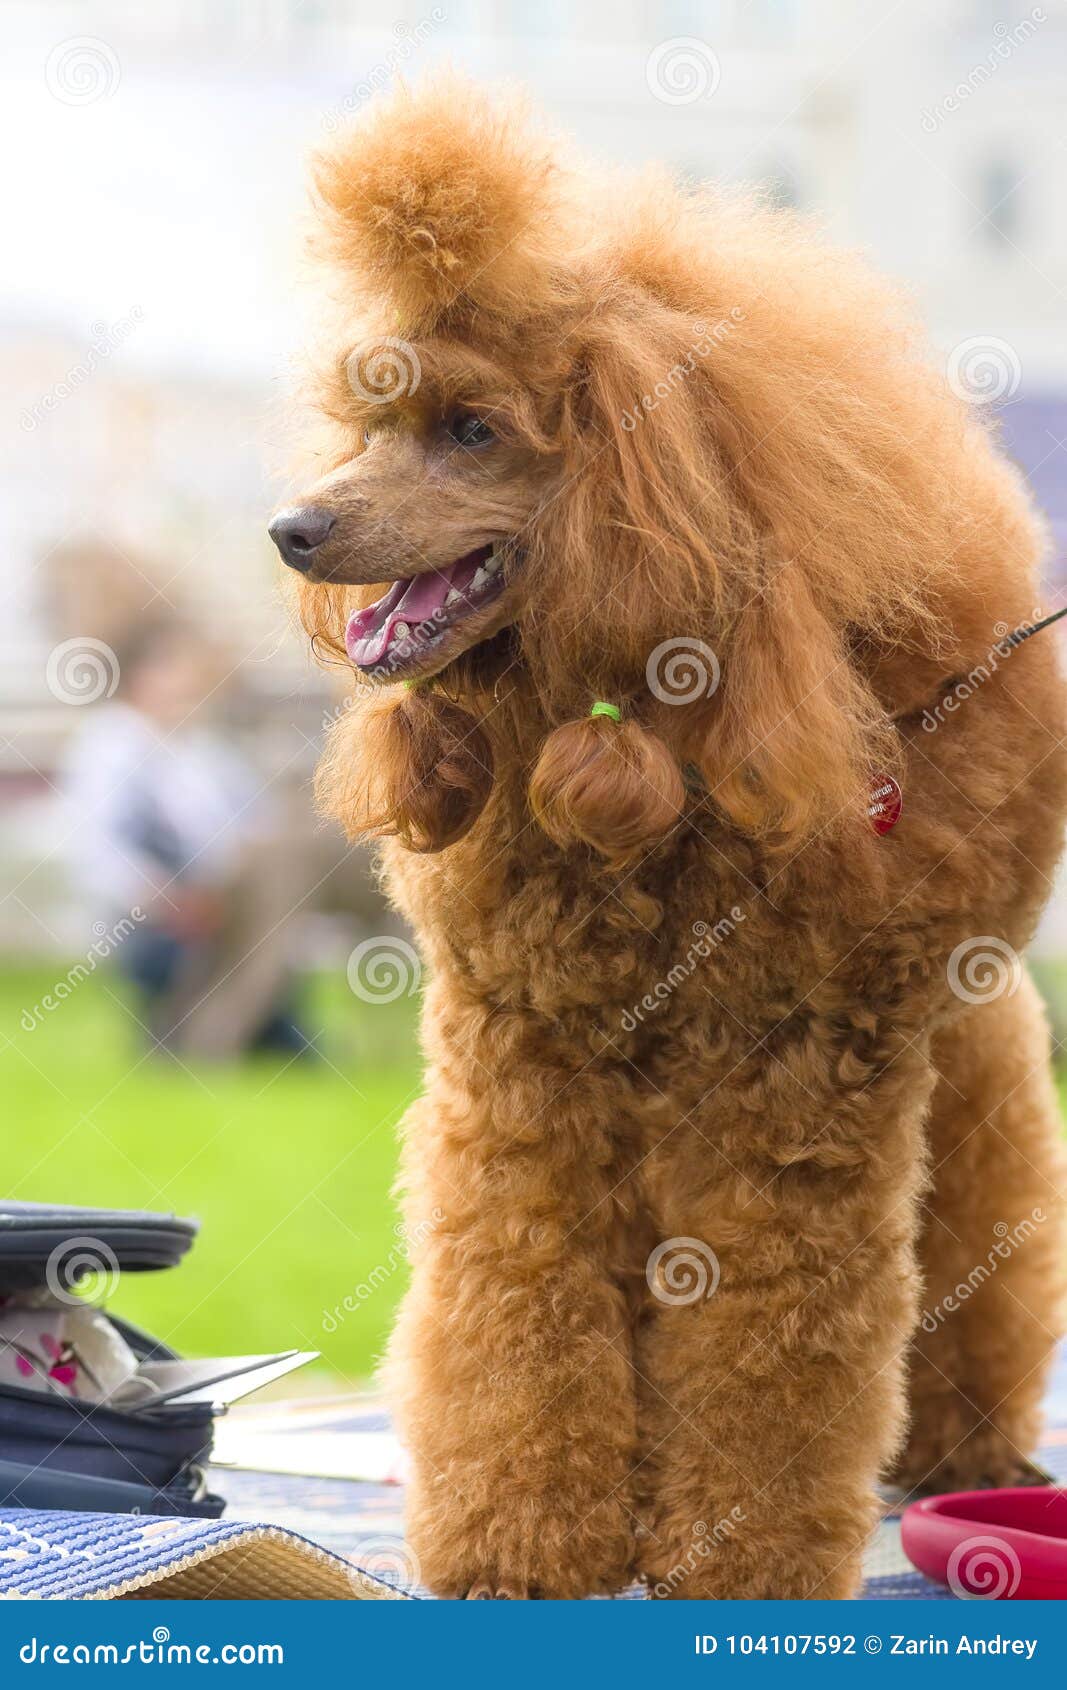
{"points": [[659, 545]]}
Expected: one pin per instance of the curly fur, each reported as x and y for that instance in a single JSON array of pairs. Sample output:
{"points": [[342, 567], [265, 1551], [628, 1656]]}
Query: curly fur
{"points": [[677, 986]]}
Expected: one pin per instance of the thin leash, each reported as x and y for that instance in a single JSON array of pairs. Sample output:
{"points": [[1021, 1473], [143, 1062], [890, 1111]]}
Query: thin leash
{"points": [[1024, 633], [886, 800]]}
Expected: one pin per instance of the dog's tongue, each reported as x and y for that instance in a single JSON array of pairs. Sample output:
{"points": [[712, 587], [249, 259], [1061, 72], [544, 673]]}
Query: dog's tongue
{"points": [[409, 603]]}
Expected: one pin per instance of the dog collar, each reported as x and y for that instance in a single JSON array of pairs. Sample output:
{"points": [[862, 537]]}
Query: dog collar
{"points": [[886, 799]]}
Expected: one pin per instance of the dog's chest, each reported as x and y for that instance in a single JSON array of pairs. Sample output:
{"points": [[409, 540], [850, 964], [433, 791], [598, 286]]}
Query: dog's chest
{"points": [[686, 931], [694, 982]]}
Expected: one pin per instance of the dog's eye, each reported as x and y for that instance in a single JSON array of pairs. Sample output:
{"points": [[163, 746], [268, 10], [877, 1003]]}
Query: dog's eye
{"points": [[468, 430]]}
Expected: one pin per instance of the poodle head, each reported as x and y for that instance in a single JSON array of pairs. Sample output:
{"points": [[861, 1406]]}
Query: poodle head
{"points": [[630, 441]]}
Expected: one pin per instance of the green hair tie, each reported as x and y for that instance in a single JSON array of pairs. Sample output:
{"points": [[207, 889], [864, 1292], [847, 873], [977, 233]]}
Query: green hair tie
{"points": [[600, 708]]}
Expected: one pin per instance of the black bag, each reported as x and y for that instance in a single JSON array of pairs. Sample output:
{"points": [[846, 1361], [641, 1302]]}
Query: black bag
{"points": [[61, 1453]]}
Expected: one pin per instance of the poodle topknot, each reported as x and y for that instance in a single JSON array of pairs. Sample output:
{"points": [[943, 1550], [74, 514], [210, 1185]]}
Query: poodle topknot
{"points": [[444, 195]]}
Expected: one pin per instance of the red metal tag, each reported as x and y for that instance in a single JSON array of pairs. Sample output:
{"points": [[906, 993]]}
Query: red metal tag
{"points": [[886, 803]]}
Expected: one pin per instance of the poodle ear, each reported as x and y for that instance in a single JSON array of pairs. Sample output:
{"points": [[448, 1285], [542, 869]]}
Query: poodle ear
{"points": [[414, 767], [608, 784], [748, 673], [628, 551], [796, 736], [443, 196]]}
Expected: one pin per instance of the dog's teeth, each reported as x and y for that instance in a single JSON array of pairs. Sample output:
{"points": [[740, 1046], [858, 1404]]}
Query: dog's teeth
{"points": [[480, 578], [493, 564], [452, 596]]}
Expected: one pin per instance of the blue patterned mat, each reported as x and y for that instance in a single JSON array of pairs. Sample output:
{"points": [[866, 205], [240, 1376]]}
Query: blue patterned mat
{"points": [[46, 1554], [365, 1521], [293, 1536]]}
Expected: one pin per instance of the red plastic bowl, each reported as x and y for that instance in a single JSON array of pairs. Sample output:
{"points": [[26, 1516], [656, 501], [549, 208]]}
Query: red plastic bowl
{"points": [[1006, 1544]]}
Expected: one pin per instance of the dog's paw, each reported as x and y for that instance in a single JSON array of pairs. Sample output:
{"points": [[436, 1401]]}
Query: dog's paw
{"points": [[516, 1554], [981, 1464]]}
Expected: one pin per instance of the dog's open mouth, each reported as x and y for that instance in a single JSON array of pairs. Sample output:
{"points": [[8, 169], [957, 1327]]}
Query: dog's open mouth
{"points": [[403, 629]]}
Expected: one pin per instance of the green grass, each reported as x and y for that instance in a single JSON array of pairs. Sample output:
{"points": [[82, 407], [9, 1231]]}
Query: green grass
{"points": [[287, 1168]]}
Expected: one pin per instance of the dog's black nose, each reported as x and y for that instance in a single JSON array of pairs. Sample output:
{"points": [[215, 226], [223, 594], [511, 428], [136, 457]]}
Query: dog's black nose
{"points": [[299, 532]]}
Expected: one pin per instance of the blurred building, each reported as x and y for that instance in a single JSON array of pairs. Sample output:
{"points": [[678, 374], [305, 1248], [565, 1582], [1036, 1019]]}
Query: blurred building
{"points": [[151, 304]]}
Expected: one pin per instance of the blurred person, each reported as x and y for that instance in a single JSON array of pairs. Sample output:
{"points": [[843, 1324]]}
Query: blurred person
{"points": [[90, 582], [172, 827]]}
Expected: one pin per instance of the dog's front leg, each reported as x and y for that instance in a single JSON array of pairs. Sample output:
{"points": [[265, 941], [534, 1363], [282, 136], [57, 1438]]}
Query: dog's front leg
{"points": [[511, 1362], [771, 1365]]}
